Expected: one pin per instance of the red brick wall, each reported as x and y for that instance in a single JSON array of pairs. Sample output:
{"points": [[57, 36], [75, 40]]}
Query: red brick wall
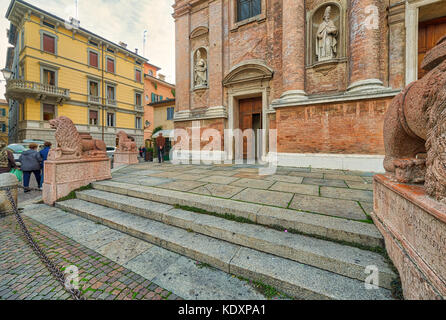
{"points": [[346, 128]]}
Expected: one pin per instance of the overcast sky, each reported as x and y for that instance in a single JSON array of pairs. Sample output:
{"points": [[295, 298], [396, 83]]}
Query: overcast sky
{"points": [[115, 20]]}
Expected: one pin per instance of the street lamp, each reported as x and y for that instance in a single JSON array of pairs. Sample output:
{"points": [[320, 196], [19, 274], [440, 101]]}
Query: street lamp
{"points": [[7, 74]]}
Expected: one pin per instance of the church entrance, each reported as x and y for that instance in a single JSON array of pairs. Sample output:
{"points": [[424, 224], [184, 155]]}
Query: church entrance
{"points": [[429, 33], [250, 118]]}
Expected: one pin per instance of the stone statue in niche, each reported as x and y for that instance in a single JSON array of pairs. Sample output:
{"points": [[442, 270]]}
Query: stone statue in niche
{"points": [[201, 68], [326, 38]]}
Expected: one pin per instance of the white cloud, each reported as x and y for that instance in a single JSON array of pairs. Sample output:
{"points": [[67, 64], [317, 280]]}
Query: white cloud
{"points": [[116, 21]]}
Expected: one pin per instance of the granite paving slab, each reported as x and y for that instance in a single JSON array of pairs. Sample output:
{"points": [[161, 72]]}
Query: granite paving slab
{"points": [[218, 179], [296, 188], [253, 183], [152, 262], [272, 198], [360, 185], [189, 176], [218, 190], [367, 206], [124, 249], [344, 177], [347, 194], [184, 185], [327, 183], [282, 178], [194, 281], [100, 238], [166, 174], [314, 175], [333, 207]]}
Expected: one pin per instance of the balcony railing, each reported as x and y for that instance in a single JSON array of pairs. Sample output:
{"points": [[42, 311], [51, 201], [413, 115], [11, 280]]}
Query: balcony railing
{"points": [[111, 102], [94, 99], [139, 108], [20, 89]]}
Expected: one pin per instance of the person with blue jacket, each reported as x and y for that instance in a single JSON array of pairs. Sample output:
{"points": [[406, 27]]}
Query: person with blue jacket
{"points": [[44, 154]]}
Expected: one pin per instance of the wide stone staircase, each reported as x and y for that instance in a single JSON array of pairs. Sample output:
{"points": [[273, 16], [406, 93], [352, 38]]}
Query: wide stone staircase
{"points": [[304, 255]]}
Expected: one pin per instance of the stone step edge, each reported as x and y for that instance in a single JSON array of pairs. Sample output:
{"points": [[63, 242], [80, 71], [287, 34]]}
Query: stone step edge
{"points": [[308, 257], [228, 267], [309, 224]]}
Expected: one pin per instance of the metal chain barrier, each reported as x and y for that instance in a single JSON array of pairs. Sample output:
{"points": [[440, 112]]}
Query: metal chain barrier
{"points": [[52, 268]]}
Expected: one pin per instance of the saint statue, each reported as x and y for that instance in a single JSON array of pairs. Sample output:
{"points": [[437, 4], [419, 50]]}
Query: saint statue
{"points": [[326, 43], [200, 71]]}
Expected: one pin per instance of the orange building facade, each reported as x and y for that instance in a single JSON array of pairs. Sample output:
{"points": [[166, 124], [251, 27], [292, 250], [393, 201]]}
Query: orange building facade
{"points": [[155, 89]]}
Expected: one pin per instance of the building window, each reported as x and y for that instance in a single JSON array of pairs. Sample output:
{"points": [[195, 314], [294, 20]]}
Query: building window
{"points": [[110, 65], [3, 112], [147, 97], [48, 43], [3, 126], [92, 43], [111, 95], [138, 123], [150, 73], [49, 112], [137, 75], [110, 119], [22, 72], [110, 50], [93, 59], [248, 8], [49, 77], [93, 118], [93, 91], [138, 99], [49, 25], [170, 112]]}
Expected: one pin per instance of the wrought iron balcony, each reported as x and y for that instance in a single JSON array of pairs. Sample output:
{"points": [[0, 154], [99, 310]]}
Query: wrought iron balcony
{"points": [[20, 89]]}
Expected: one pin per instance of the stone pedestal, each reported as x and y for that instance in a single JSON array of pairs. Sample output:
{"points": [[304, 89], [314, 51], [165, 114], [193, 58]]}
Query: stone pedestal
{"points": [[125, 158], [414, 229], [64, 176], [8, 180]]}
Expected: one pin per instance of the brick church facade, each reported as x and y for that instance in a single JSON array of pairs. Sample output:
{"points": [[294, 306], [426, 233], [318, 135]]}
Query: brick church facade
{"points": [[322, 73]]}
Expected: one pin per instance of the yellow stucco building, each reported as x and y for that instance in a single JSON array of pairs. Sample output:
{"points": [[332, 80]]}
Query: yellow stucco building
{"points": [[61, 69], [4, 121]]}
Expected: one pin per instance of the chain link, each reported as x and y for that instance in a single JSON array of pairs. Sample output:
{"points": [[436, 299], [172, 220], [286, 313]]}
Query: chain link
{"points": [[55, 272]]}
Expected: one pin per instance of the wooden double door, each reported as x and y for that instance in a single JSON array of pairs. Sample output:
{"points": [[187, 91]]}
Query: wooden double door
{"points": [[250, 118], [429, 33]]}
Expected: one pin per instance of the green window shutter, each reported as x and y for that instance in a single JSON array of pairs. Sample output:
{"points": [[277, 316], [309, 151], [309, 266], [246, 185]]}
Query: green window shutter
{"points": [[153, 97]]}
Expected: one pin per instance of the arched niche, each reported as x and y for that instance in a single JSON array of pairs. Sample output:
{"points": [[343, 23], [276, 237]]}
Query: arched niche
{"points": [[332, 48], [200, 68]]}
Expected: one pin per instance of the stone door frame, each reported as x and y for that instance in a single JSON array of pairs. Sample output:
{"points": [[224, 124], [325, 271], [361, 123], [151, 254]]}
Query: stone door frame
{"points": [[412, 17]]}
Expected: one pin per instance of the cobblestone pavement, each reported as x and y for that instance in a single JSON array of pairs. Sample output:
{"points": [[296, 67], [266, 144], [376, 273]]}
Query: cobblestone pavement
{"points": [[24, 277]]}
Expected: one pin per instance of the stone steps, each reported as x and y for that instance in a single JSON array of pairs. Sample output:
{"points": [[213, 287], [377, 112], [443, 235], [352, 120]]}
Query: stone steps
{"points": [[312, 224], [330, 256], [294, 278]]}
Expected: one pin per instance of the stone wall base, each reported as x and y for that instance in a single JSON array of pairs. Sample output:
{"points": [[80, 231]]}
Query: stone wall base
{"points": [[414, 230], [62, 177], [125, 158]]}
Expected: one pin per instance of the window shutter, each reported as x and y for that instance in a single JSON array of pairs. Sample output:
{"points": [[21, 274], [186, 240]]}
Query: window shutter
{"points": [[138, 75], [94, 59], [110, 65], [49, 44], [153, 97]]}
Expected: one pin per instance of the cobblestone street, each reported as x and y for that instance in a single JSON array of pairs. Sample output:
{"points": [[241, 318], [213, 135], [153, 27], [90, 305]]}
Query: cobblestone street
{"points": [[23, 275]]}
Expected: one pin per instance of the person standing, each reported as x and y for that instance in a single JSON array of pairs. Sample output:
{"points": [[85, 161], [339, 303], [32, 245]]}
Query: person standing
{"points": [[44, 154], [30, 160], [160, 143], [6, 159]]}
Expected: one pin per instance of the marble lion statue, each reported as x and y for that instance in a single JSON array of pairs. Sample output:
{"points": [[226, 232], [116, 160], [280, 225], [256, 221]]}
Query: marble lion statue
{"points": [[126, 143], [73, 145], [415, 128]]}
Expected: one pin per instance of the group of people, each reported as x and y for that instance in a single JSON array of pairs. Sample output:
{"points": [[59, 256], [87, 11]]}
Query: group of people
{"points": [[160, 143], [31, 162]]}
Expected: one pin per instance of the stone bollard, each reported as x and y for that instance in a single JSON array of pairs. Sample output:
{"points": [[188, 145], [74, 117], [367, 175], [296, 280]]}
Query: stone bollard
{"points": [[8, 180]]}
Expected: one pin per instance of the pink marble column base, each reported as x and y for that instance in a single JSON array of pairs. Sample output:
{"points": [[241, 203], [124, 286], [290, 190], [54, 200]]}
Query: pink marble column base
{"points": [[62, 177], [414, 230]]}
